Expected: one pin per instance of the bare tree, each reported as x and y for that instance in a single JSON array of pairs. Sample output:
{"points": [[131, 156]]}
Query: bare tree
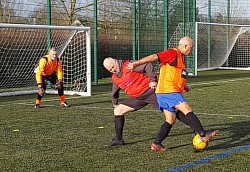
{"points": [[12, 11], [219, 12], [1, 12], [69, 10]]}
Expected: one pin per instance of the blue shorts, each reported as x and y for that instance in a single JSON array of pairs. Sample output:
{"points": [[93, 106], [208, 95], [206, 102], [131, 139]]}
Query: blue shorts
{"points": [[169, 101]]}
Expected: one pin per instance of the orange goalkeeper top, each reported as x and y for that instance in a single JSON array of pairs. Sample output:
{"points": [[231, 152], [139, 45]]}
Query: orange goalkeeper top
{"points": [[47, 67]]}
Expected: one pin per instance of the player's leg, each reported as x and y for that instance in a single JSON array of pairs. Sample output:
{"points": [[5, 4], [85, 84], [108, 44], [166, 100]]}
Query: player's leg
{"points": [[164, 131], [59, 85], [152, 100], [119, 121], [169, 111], [181, 117], [40, 93], [194, 122], [126, 106]]}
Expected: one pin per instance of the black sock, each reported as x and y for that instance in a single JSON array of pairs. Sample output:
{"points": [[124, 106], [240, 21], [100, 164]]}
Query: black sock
{"points": [[163, 133], [195, 123], [181, 117], [119, 124]]}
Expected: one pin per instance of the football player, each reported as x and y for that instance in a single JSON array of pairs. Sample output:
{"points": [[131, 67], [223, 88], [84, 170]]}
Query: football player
{"points": [[49, 68]]}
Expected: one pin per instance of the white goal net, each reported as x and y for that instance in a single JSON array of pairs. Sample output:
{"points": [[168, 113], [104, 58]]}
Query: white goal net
{"points": [[21, 47], [225, 46]]}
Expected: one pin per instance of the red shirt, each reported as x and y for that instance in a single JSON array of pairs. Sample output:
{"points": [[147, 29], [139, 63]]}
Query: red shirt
{"points": [[133, 83]]}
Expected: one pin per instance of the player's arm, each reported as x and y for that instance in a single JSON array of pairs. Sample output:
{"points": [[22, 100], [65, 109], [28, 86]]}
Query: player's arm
{"points": [[39, 74], [149, 70], [147, 59], [115, 95], [59, 71], [41, 71], [168, 56]]}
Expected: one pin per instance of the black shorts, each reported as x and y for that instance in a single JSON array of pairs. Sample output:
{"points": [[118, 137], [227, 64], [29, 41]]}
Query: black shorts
{"points": [[52, 78], [148, 97]]}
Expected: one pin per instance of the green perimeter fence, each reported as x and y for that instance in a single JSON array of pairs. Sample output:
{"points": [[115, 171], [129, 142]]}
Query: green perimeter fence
{"points": [[127, 29]]}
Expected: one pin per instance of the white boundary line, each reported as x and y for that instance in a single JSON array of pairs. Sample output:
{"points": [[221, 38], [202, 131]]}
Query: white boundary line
{"points": [[149, 110], [219, 81]]}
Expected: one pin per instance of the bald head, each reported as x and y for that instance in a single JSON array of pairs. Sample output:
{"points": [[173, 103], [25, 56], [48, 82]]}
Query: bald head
{"points": [[111, 65], [186, 41], [185, 45]]}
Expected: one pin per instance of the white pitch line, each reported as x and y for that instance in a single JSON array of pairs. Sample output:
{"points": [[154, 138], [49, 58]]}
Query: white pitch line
{"points": [[143, 110], [219, 81], [223, 115]]}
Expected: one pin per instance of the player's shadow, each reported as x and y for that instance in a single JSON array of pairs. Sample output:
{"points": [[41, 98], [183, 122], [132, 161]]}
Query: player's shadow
{"points": [[238, 134], [152, 139]]}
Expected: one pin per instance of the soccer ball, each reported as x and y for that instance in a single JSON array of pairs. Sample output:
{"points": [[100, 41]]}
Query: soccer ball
{"points": [[199, 145]]}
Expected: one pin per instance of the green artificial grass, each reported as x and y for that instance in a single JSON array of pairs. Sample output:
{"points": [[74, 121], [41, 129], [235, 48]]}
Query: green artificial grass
{"points": [[72, 139]]}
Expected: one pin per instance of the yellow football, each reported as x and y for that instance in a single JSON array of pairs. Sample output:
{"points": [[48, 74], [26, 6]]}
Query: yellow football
{"points": [[198, 143]]}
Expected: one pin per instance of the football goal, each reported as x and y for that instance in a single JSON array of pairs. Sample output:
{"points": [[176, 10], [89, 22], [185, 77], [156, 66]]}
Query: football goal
{"points": [[225, 46], [21, 47]]}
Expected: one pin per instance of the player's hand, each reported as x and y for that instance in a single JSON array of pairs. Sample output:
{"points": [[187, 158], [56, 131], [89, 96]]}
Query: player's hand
{"points": [[132, 65], [187, 88], [40, 91], [152, 85]]}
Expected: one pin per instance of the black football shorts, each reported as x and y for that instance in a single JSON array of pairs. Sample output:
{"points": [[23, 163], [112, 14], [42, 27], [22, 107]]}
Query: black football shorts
{"points": [[148, 97]]}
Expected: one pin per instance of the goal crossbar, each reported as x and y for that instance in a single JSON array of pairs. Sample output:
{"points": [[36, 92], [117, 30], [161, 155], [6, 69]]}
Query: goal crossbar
{"points": [[25, 26]]}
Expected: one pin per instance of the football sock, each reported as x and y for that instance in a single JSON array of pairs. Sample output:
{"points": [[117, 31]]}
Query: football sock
{"points": [[181, 117], [195, 123], [62, 98], [60, 92], [119, 124], [163, 133], [38, 102]]}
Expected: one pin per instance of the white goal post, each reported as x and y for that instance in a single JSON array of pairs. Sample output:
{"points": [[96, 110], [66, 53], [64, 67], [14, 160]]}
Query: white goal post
{"points": [[224, 46], [21, 47]]}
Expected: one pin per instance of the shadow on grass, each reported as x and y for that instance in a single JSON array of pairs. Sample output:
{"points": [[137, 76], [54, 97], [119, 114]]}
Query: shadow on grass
{"points": [[152, 139], [238, 135]]}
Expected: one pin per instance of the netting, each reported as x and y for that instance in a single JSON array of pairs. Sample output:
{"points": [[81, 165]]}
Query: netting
{"points": [[222, 45], [22, 46]]}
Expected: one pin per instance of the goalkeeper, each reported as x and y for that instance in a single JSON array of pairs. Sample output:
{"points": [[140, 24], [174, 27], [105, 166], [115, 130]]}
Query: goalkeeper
{"points": [[49, 68], [139, 84]]}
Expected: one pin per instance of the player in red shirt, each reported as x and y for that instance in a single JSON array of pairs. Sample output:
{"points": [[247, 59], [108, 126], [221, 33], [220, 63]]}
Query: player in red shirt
{"points": [[139, 84], [170, 88]]}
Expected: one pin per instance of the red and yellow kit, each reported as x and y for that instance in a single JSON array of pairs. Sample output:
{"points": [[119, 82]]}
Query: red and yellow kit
{"points": [[47, 67], [172, 72], [133, 83]]}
